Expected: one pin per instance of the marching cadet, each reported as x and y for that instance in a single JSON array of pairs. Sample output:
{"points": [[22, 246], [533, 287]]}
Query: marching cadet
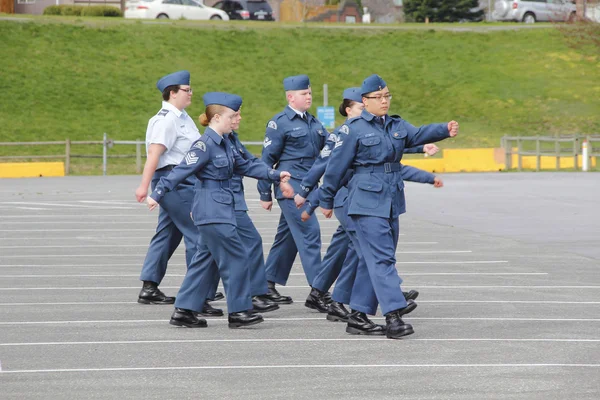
{"points": [[293, 141], [249, 235], [169, 136], [373, 145], [213, 162], [340, 260]]}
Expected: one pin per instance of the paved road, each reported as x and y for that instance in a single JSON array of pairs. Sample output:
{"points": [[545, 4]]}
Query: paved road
{"points": [[507, 266]]}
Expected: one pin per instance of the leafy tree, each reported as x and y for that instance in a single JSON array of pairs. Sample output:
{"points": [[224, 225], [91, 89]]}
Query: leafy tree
{"points": [[442, 10]]}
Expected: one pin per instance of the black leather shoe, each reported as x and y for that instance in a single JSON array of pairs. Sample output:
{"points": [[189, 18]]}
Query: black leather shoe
{"points": [[260, 306], [337, 312], [412, 295], [316, 301], [274, 296], [210, 311], [150, 294], [218, 296], [395, 327], [410, 307], [239, 319], [360, 324], [327, 298], [183, 317]]}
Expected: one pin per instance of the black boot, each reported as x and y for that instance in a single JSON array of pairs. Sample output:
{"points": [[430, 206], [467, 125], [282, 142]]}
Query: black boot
{"points": [[412, 295], [183, 317], [260, 306], [244, 318], [395, 327], [360, 324], [218, 296], [150, 294], [410, 307], [274, 296], [210, 311], [316, 301], [337, 312]]}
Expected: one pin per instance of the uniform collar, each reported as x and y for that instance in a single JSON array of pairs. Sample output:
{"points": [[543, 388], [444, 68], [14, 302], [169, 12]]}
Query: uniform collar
{"points": [[292, 112], [213, 135], [168, 106], [369, 117]]}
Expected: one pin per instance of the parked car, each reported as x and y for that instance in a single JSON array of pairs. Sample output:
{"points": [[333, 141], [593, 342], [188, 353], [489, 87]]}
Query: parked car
{"points": [[173, 9], [531, 11], [246, 9]]}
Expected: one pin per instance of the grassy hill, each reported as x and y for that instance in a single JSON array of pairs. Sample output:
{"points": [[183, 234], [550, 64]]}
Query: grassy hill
{"points": [[78, 78]]}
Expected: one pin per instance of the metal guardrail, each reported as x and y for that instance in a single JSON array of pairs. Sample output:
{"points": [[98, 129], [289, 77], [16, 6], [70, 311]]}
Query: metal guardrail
{"points": [[549, 146], [106, 144]]}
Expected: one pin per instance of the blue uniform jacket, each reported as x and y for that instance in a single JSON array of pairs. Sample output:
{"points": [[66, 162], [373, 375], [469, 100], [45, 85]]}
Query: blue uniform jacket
{"points": [[214, 163], [374, 152], [237, 185], [408, 172], [291, 144]]}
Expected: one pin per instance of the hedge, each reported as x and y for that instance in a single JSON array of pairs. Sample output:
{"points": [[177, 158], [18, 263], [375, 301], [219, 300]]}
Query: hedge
{"points": [[91, 11]]}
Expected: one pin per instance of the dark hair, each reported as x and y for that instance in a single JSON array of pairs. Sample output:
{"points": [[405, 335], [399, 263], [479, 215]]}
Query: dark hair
{"points": [[166, 94], [345, 103], [210, 112]]}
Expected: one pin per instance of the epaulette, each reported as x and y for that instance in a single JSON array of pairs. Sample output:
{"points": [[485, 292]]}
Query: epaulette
{"points": [[396, 116], [163, 112]]}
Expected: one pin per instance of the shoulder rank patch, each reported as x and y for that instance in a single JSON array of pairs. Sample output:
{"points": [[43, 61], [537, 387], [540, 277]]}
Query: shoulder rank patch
{"points": [[272, 125], [191, 158], [345, 129], [200, 145], [332, 137], [267, 142], [163, 112], [325, 152]]}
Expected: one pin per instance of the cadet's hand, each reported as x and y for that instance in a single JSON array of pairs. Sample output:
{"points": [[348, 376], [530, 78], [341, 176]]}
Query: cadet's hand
{"points": [[284, 176], [299, 200], [453, 128], [327, 213], [266, 205], [151, 203], [287, 190], [141, 193], [437, 182], [304, 216], [430, 149]]}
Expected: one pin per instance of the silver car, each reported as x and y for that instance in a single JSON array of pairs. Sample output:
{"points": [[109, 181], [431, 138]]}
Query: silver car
{"points": [[531, 11]]}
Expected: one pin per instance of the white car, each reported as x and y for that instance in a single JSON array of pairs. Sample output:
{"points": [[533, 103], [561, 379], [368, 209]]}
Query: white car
{"points": [[173, 9]]}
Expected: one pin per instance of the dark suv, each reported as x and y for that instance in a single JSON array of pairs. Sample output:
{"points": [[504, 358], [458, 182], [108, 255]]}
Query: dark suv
{"points": [[258, 10]]}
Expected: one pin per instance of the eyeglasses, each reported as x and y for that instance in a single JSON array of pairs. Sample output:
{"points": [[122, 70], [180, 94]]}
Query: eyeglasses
{"points": [[188, 90], [387, 97]]}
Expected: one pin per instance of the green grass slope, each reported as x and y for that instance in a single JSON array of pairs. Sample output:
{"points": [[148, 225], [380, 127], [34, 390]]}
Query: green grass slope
{"points": [[78, 79]]}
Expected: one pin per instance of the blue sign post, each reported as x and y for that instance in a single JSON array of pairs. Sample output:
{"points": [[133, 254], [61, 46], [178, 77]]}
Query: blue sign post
{"points": [[327, 116]]}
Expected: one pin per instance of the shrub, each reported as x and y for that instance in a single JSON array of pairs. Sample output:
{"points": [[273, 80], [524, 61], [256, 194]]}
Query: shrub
{"points": [[91, 11]]}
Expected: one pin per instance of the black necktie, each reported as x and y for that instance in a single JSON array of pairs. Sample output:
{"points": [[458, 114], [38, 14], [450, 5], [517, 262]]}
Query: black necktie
{"points": [[380, 121], [303, 116]]}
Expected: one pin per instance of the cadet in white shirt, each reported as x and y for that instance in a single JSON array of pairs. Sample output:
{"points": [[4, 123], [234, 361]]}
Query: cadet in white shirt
{"points": [[169, 136]]}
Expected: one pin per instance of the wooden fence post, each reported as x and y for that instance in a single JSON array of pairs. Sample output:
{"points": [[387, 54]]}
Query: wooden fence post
{"points": [[67, 156]]}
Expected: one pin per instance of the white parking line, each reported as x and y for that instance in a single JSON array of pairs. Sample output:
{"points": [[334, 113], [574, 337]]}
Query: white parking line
{"points": [[307, 287], [103, 303], [296, 366], [100, 206], [294, 340], [293, 274], [78, 230], [275, 319]]}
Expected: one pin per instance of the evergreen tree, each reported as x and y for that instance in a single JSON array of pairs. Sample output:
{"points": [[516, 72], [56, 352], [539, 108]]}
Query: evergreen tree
{"points": [[442, 10]]}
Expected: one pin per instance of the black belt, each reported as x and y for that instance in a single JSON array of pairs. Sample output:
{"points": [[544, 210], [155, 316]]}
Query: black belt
{"points": [[212, 184], [386, 168], [166, 168]]}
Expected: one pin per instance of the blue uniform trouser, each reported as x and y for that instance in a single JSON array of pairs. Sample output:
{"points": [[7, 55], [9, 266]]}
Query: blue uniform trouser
{"points": [[333, 261], [345, 279], [220, 251], [376, 279], [256, 260], [173, 219], [294, 236]]}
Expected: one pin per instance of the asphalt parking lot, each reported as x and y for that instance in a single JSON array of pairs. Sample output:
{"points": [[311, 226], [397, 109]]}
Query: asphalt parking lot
{"points": [[508, 267]]}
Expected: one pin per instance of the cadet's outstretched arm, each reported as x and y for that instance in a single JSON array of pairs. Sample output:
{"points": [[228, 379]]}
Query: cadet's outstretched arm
{"points": [[341, 160], [272, 148], [412, 174]]}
